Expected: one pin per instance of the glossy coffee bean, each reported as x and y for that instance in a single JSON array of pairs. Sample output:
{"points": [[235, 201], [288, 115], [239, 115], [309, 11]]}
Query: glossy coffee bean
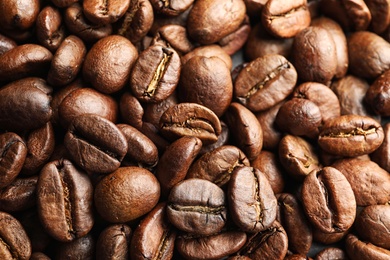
{"points": [[131, 110], [154, 111], [357, 249], [209, 51], [64, 201], [13, 154], [6, 44], [19, 15], [271, 133], [331, 253], [50, 30], [81, 248], [376, 95], [104, 12], [351, 135], [19, 195], [380, 156], [252, 202], [172, 7], [175, 36], [197, 206], [380, 15], [126, 194], [114, 242], [95, 144]]}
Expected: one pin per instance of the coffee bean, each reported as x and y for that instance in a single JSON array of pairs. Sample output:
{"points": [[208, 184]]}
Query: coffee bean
{"points": [[380, 155], [19, 15], [6, 44], [114, 242], [104, 12], [81, 248], [357, 249], [331, 253], [50, 30], [19, 195], [172, 7], [377, 93]]}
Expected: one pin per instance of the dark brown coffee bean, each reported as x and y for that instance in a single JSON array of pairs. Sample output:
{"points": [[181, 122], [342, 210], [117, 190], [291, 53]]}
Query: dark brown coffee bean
{"points": [[105, 12], [19, 15], [209, 51], [175, 162], [126, 194], [381, 155], [300, 117], [19, 195], [216, 246], [67, 61], [351, 135], [271, 133], [95, 144], [350, 14], [322, 96], [155, 74], [172, 7], [285, 19], [370, 183], [15, 244], [197, 206], [108, 63], [364, 50], [291, 217], [64, 201], [219, 18], [154, 237], [39, 256], [314, 55], [217, 165], [261, 43], [357, 249], [223, 139], [13, 154], [373, 225], [50, 31], [204, 80], [175, 36], [340, 41], [265, 82], [190, 119], [329, 185], [40, 145], [246, 129], [137, 21], [380, 12], [154, 111], [331, 253], [78, 24], [234, 41], [24, 61], [6, 44], [86, 101], [114, 243], [131, 110], [152, 132], [297, 156], [63, 3], [81, 248], [141, 149], [377, 93], [271, 243], [252, 202], [328, 238]]}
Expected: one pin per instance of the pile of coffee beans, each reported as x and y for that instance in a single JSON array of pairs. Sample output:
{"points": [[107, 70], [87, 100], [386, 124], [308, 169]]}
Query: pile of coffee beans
{"points": [[195, 129]]}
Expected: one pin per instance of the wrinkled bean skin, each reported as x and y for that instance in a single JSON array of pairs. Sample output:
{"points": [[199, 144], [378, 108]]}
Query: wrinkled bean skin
{"points": [[104, 12], [357, 249]]}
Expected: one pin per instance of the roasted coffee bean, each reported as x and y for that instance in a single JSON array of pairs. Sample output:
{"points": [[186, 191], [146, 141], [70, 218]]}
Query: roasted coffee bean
{"points": [[24, 61], [67, 61], [161, 245], [217, 165], [19, 15], [141, 150], [285, 19], [380, 12], [331, 253], [223, 139], [297, 156], [50, 31], [265, 82], [328, 200], [364, 50], [351, 135], [79, 101], [373, 223], [114, 243], [205, 80], [209, 51], [40, 146], [13, 154], [95, 144], [370, 183], [328, 238], [271, 133], [314, 55], [108, 63], [39, 256], [252, 202], [239, 257], [154, 111], [197, 206], [81, 248], [245, 128], [105, 12], [137, 21], [234, 41], [377, 93], [219, 18], [155, 74], [357, 249], [78, 24], [271, 243], [175, 162], [19, 195], [131, 110], [216, 246], [126, 194], [381, 155], [172, 7], [15, 244], [190, 119], [175, 36], [64, 201], [6, 44], [291, 217]]}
